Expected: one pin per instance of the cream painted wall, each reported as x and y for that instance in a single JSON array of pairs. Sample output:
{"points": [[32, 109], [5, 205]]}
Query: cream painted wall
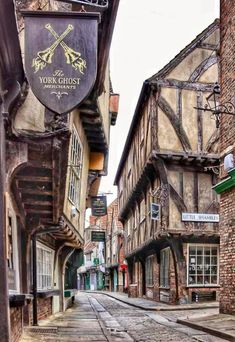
{"points": [[183, 70], [167, 138], [103, 103]]}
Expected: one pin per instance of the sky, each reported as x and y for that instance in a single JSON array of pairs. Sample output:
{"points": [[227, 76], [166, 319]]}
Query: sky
{"points": [[147, 35]]}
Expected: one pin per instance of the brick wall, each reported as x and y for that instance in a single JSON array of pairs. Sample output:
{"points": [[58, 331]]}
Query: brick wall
{"points": [[227, 140], [44, 310], [16, 324]]}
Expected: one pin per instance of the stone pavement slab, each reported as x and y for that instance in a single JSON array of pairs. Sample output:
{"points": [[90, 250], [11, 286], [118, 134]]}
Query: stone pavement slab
{"points": [[222, 326], [151, 305]]}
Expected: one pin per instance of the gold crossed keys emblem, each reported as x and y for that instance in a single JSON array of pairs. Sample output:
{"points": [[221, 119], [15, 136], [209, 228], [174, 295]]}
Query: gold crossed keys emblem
{"points": [[72, 57]]}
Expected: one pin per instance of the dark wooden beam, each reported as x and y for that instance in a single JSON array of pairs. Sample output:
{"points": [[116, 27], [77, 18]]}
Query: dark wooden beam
{"points": [[197, 86], [38, 211], [35, 202], [35, 191], [175, 121], [29, 178]]}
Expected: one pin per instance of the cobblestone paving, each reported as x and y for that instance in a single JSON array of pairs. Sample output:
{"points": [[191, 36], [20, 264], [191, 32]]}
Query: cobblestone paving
{"points": [[96, 317], [143, 326]]}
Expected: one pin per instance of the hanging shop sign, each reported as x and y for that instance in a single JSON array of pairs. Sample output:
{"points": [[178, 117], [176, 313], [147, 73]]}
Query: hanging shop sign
{"points": [[61, 57], [155, 211], [97, 236], [200, 217], [98, 206]]}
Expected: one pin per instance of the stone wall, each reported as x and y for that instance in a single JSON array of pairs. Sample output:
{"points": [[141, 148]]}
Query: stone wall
{"points": [[16, 323], [227, 144]]}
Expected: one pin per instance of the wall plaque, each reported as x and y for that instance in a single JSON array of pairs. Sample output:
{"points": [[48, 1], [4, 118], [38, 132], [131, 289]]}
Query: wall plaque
{"points": [[61, 57]]}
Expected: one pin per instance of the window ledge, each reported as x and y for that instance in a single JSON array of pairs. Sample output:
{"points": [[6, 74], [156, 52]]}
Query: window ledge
{"points": [[47, 293], [203, 286], [164, 288], [17, 300]]}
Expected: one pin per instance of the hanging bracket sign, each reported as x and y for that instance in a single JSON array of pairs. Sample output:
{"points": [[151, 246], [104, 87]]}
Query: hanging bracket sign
{"points": [[98, 206], [61, 56]]}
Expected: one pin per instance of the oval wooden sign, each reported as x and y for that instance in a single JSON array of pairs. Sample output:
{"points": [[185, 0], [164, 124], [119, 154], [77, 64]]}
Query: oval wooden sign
{"points": [[61, 57]]}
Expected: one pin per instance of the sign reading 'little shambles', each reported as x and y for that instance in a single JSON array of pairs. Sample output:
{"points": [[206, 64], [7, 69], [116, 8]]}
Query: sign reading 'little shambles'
{"points": [[61, 57], [200, 217]]}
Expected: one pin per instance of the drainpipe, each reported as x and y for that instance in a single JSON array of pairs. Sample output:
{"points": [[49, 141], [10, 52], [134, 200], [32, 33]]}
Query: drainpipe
{"points": [[35, 304], [4, 300]]}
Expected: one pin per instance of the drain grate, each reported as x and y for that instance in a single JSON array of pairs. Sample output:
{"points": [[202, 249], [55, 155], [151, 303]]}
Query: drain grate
{"points": [[42, 330]]}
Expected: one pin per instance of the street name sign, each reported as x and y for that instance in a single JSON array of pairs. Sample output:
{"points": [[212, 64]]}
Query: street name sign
{"points": [[200, 217], [61, 57]]}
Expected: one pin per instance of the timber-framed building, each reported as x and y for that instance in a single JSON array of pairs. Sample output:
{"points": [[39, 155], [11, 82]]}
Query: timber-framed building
{"points": [[168, 159]]}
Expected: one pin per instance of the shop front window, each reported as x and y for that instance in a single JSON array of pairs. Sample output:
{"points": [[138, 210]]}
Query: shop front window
{"points": [[203, 265]]}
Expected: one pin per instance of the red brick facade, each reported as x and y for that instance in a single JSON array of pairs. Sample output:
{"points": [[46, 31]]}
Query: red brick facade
{"points": [[227, 140], [16, 320], [44, 310]]}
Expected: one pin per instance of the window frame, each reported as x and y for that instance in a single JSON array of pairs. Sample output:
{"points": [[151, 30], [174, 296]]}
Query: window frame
{"points": [[15, 254], [203, 256], [41, 269], [75, 159], [149, 270], [163, 283]]}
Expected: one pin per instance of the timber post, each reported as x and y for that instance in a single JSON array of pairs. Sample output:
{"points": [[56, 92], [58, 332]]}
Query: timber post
{"points": [[4, 307]]}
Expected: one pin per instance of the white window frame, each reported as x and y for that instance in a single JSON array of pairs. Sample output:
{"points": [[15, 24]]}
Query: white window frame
{"points": [[142, 210], [163, 270], [188, 256], [45, 279], [76, 156], [15, 250], [149, 271]]}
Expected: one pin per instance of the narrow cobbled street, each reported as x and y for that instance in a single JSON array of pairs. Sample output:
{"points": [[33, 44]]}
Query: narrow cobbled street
{"points": [[97, 317]]}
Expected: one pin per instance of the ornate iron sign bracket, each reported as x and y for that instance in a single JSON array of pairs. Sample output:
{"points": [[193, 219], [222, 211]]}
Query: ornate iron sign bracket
{"points": [[103, 4]]}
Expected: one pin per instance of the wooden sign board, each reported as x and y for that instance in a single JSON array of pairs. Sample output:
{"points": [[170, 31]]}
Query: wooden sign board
{"points": [[98, 206], [61, 57], [97, 236], [155, 211]]}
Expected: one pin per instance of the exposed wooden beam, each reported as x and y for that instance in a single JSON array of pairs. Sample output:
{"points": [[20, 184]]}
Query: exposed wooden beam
{"points": [[172, 83], [29, 178], [38, 211], [35, 191], [175, 121], [36, 202], [91, 121]]}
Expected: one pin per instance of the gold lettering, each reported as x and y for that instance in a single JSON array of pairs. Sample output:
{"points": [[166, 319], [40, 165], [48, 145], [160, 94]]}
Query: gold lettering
{"points": [[58, 73]]}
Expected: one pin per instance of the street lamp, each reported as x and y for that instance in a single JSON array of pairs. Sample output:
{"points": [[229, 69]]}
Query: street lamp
{"points": [[217, 108]]}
